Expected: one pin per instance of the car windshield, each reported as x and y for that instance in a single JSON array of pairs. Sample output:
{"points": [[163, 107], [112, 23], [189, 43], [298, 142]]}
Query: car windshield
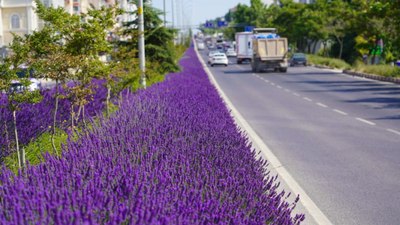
{"points": [[299, 56]]}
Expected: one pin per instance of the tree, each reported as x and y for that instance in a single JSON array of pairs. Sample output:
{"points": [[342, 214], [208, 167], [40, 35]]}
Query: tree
{"points": [[17, 95], [158, 38]]}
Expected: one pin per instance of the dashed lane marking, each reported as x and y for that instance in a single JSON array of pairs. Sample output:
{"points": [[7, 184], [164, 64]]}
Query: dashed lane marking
{"points": [[340, 112], [365, 121], [394, 131], [322, 105], [307, 99]]}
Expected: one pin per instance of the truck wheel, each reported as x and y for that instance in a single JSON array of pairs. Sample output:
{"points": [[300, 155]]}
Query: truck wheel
{"points": [[283, 70]]}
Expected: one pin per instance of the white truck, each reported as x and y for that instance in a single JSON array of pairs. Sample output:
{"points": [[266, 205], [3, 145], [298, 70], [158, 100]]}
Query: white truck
{"points": [[244, 49], [269, 50]]}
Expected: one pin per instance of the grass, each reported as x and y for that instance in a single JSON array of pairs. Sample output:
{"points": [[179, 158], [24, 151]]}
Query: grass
{"points": [[35, 150], [382, 70], [329, 62]]}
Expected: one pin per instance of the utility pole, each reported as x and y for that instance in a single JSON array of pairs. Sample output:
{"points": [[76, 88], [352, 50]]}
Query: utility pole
{"points": [[142, 61], [165, 15], [173, 19]]}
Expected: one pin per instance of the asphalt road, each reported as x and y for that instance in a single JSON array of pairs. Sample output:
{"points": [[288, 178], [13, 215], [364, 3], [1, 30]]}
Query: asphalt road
{"points": [[337, 135]]}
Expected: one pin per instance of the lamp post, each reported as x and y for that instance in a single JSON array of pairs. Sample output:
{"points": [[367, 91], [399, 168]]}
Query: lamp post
{"points": [[165, 16], [142, 61]]}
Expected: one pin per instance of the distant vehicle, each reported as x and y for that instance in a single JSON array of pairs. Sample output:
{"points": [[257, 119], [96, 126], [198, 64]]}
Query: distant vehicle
{"points": [[269, 50], [200, 45], [231, 52], [244, 50], [219, 59], [212, 53], [17, 86], [298, 59]]}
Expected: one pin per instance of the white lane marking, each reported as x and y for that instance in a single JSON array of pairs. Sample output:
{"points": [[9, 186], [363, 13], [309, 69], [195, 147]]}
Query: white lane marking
{"points": [[266, 80], [307, 99], [307, 202], [394, 131], [340, 112], [279, 87], [322, 105], [365, 121], [294, 93], [272, 83], [287, 90]]}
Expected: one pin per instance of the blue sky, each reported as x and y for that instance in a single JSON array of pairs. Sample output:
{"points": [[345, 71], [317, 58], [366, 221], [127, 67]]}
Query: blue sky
{"points": [[195, 12]]}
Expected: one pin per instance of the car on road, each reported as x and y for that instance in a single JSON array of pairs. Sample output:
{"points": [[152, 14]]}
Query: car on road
{"points": [[211, 53], [231, 52], [28, 74], [298, 59], [219, 59], [200, 45]]}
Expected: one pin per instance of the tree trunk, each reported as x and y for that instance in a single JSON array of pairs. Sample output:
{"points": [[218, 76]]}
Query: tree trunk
{"points": [[72, 117], [108, 99], [20, 162], [341, 47], [55, 118], [315, 46], [83, 117]]}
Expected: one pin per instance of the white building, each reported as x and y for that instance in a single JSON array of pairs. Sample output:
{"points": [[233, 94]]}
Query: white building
{"points": [[19, 17]]}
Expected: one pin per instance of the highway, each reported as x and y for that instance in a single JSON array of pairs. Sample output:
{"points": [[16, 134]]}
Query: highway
{"points": [[337, 135]]}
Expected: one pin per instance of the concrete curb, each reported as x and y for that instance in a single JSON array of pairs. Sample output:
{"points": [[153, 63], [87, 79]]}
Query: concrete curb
{"points": [[373, 76]]}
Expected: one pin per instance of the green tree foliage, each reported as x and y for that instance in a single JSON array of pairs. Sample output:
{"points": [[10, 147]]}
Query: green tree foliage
{"points": [[352, 27], [159, 46]]}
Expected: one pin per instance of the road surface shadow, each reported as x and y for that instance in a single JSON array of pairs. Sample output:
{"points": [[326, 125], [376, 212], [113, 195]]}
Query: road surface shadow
{"points": [[387, 102]]}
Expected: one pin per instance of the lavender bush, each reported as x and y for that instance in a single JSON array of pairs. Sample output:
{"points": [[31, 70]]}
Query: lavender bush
{"points": [[33, 120], [171, 155]]}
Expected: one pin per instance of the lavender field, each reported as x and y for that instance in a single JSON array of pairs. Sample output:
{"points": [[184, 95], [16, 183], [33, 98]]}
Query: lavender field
{"points": [[36, 119], [171, 154]]}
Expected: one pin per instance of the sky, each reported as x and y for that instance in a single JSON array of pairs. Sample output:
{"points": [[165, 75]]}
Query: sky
{"points": [[195, 12]]}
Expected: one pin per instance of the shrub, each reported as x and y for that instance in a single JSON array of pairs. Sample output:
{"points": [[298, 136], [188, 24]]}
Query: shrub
{"points": [[171, 154], [330, 62], [383, 70]]}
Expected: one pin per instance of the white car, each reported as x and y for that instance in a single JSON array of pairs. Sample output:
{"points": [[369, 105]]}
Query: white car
{"points": [[200, 45], [211, 54], [231, 53], [219, 59]]}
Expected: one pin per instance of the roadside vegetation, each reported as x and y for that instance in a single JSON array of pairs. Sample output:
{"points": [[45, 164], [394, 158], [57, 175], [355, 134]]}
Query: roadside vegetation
{"points": [[365, 35]]}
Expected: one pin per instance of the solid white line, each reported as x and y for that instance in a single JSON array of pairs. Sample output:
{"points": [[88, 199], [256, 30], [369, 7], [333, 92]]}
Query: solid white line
{"points": [[322, 105], [307, 202], [307, 99], [394, 131], [340, 112], [365, 121]]}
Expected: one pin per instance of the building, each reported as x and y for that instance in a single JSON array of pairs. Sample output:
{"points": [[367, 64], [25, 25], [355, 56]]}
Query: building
{"points": [[19, 17]]}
